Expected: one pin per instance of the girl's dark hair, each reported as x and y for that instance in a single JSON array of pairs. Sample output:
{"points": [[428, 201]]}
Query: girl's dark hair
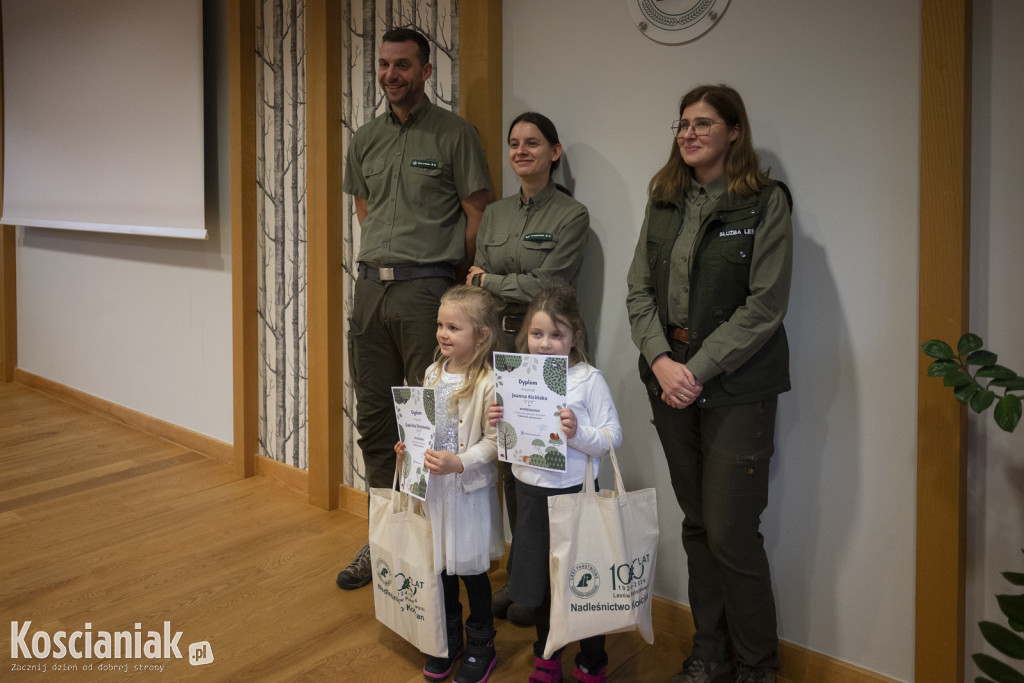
{"points": [[559, 302], [743, 172], [544, 125]]}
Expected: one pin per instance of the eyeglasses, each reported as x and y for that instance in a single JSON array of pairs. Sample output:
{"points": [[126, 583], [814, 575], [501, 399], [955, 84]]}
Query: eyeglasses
{"points": [[700, 127]]}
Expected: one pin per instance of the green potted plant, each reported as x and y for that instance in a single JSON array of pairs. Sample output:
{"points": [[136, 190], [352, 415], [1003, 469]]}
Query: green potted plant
{"points": [[955, 370]]}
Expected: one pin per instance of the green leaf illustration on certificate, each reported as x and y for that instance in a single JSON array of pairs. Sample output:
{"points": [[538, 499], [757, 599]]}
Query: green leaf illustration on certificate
{"points": [[531, 390], [414, 410]]}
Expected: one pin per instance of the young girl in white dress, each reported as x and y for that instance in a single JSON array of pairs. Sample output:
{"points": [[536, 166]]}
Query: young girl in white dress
{"points": [[462, 496], [553, 326]]}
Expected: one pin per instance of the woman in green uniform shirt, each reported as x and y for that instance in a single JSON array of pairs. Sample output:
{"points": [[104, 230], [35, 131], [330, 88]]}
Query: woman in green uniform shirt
{"points": [[708, 288], [526, 242]]}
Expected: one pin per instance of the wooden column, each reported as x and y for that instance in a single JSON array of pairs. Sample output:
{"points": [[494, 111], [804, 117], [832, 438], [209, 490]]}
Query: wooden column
{"points": [[944, 302], [8, 270], [325, 337], [242, 67], [480, 71]]}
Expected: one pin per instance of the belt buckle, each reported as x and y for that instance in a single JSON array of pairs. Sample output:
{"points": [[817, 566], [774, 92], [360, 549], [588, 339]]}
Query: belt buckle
{"points": [[386, 273]]}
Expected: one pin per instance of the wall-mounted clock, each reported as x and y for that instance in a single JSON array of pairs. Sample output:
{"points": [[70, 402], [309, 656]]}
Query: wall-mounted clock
{"points": [[675, 21]]}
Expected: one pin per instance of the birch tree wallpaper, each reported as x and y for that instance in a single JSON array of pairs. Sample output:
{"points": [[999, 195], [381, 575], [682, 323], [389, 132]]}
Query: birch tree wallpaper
{"points": [[281, 175], [365, 21]]}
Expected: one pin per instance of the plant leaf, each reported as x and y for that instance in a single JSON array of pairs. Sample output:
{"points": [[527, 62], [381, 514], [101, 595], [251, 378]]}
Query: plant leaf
{"points": [[1003, 639], [956, 379], [969, 342], [1012, 606], [1016, 578], [982, 357], [997, 372], [941, 368], [1007, 415], [967, 391], [996, 669], [1015, 384], [1017, 626], [982, 679], [938, 349], [982, 400]]}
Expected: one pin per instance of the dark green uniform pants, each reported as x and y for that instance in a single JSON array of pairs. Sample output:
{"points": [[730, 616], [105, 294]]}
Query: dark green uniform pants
{"points": [[392, 338], [718, 461]]}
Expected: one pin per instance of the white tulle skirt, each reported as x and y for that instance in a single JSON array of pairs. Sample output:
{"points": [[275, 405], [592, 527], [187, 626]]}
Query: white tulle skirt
{"points": [[467, 525]]}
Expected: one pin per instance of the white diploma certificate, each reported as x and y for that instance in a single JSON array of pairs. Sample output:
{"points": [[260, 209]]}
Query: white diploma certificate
{"points": [[531, 389], [414, 410]]}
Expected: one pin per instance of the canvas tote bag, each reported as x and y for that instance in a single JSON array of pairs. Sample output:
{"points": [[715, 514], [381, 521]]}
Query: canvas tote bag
{"points": [[603, 551], [406, 586]]}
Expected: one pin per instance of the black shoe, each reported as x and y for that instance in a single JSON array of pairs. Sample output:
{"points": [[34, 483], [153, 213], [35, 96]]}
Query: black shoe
{"points": [[522, 616], [480, 655], [439, 668], [697, 670], [500, 602], [751, 674], [357, 573]]}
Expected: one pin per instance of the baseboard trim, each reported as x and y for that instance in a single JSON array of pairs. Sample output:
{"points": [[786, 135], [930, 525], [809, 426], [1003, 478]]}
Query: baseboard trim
{"points": [[290, 477], [797, 663], [200, 443], [354, 500]]}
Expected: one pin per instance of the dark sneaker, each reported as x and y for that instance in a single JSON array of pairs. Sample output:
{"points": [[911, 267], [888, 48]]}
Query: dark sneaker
{"points": [[500, 603], [750, 674], [696, 670], [357, 574]]}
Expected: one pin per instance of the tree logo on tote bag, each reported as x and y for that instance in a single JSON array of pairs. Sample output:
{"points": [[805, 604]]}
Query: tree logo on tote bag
{"points": [[584, 580], [384, 572]]}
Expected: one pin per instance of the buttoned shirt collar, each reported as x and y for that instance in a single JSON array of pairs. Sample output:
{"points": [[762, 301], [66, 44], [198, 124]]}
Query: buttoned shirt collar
{"points": [[540, 198], [419, 110]]}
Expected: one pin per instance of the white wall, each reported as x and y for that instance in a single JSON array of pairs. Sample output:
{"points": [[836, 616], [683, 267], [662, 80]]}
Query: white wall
{"points": [[144, 322], [995, 527], [832, 92]]}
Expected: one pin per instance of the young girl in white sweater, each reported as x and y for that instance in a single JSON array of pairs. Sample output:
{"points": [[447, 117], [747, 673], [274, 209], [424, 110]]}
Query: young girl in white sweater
{"points": [[462, 493]]}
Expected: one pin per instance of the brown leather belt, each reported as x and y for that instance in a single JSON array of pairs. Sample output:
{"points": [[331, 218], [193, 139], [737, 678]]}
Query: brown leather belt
{"points": [[511, 323], [679, 333]]}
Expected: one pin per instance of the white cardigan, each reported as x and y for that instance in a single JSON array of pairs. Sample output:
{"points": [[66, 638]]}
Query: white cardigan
{"points": [[479, 458]]}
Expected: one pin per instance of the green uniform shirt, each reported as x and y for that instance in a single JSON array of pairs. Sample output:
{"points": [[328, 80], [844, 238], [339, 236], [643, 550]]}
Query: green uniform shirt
{"points": [[524, 246], [414, 176], [752, 324]]}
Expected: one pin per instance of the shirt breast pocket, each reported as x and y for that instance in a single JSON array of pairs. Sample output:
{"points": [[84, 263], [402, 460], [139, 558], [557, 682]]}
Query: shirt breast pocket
{"points": [[427, 181], [376, 179]]}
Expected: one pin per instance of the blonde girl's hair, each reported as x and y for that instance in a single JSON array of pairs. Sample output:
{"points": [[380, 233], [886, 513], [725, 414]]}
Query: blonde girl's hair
{"points": [[481, 307], [559, 302], [743, 173]]}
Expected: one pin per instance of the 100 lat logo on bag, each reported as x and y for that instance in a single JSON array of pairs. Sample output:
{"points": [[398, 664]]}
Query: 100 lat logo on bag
{"points": [[406, 588], [630, 585]]}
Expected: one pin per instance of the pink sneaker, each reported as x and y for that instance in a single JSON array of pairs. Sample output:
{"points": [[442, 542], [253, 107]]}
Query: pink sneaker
{"points": [[583, 676], [547, 670]]}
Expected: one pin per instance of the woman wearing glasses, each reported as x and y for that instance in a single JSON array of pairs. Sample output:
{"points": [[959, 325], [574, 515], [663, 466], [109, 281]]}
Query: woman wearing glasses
{"points": [[528, 241], [708, 288]]}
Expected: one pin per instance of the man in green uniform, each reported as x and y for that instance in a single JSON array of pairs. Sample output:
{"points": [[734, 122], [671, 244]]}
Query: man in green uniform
{"points": [[420, 183]]}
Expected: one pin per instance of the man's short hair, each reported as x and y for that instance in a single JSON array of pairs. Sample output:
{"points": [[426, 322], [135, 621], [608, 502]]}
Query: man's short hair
{"points": [[404, 35]]}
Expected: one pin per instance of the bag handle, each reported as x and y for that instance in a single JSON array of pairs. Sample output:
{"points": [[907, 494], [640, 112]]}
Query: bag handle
{"points": [[588, 471], [400, 500]]}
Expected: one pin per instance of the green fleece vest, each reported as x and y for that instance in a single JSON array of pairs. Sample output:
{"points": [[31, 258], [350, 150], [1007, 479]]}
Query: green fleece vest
{"points": [[719, 284]]}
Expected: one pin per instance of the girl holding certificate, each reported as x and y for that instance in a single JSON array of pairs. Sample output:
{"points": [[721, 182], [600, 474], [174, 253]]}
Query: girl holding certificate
{"points": [[462, 493], [553, 326]]}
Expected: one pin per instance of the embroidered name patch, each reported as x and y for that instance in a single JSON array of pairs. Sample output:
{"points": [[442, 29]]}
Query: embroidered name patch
{"points": [[734, 233], [538, 237], [423, 163]]}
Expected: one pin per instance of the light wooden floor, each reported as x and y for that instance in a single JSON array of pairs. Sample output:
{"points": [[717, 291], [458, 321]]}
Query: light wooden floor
{"points": [[105, 525]]}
